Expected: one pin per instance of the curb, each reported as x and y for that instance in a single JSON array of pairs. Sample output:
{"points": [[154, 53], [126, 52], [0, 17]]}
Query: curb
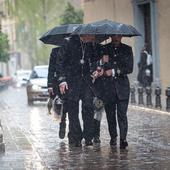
{"points": [[149, 109], [2, 145]]}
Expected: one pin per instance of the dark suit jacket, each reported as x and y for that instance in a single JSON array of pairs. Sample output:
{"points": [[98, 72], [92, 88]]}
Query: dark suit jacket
{"points": [[70, 68], [121, 59]]}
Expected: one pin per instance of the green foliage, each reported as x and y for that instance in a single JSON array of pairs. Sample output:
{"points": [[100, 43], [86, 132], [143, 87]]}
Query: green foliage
{"points": [[4, 48], [71, 15], [34, 17]]}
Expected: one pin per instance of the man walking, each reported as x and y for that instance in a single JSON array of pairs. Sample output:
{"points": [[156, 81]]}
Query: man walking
{"points": [[74, 66], [116, 88], [121, 58]]}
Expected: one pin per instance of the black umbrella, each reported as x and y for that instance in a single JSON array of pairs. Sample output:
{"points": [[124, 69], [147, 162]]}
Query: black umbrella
{"points": [[107, 27], [91, 30], [56, 35]]}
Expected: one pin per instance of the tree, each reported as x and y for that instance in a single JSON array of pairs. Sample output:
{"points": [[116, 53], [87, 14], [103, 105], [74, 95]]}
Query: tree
{"points": [[4, 48], [71, 15], [33, 18]]}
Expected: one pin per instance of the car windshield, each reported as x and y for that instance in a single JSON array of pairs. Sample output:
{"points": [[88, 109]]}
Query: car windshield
{"points": [[39, 72]]}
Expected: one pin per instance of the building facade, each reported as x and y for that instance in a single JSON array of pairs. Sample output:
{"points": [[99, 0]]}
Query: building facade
{"points": [[7, 23], [150, 17]]}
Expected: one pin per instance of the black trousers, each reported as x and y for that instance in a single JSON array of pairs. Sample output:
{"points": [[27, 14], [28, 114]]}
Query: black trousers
{"points": [[118, 107], [96, 128], [65, 110], [101, 86], [75, 131]]}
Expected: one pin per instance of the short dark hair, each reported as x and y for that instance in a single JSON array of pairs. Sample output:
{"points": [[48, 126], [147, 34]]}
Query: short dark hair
{"points": [[104, 51]]}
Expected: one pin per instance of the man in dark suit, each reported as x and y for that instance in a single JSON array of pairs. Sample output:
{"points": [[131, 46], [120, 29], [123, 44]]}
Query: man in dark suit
{"points": [[53, 90], [74, 66], [117, 88], [121, 58]]}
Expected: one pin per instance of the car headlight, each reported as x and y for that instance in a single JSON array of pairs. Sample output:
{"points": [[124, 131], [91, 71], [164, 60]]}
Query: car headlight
{"points": [[36, 87]]}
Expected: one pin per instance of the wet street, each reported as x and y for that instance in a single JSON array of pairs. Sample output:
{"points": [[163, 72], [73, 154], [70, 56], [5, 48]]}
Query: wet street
{"points": [[32, 142]]}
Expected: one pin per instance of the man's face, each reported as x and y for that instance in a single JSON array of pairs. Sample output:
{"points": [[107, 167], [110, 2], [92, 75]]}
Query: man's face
{"points": [[116, 39], [88, 38], [105, 58]]}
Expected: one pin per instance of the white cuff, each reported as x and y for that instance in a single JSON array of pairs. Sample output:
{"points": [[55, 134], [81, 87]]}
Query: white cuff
{"points": [[100, 62], [63, 83], [113, 72]]}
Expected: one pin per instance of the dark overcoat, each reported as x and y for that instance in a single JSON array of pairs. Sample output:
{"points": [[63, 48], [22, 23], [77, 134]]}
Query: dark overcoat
{"points": [[70, 68]]}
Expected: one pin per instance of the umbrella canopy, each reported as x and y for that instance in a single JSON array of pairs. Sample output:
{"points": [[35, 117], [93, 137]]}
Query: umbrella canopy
{"points": [[90, 29], [107, 27], [56, 35]]}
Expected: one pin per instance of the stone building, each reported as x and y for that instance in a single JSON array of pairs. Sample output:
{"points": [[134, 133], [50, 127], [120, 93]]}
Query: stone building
{"points": [[150, 17]]}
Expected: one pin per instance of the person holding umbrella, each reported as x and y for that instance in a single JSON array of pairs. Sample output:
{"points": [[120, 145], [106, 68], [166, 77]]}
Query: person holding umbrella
{"points": [[75, 57], [121, 58], [56, 36], [116, 89]]}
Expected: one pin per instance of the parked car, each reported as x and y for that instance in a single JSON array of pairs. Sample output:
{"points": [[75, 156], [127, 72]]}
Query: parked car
{"points": [[37, 84], [22, 77]]}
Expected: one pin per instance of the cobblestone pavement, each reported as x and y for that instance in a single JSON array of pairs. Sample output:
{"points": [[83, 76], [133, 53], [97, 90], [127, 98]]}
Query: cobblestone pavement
{"points": [[31, 140]]}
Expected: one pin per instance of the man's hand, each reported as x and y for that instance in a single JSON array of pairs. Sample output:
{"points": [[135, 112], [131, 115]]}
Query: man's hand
{"points": [[63, 87], [97, 73], [50, 91], [94, 75], [100, 72], [108, 73]]}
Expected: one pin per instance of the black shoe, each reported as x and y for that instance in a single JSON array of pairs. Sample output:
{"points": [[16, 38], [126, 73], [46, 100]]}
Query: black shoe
{"points": [[123, 144], [96, 139], [78, 144], [71, 142], [75, 143], [88, 143], [113, 142], [62, 130]]}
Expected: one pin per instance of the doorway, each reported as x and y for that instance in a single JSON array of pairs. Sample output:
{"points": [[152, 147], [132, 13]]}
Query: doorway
{"points": [[146, 16], [145, 20]]}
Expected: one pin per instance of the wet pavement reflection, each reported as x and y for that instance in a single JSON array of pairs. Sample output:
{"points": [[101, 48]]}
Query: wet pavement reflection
{"points": [[32, 142]]}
